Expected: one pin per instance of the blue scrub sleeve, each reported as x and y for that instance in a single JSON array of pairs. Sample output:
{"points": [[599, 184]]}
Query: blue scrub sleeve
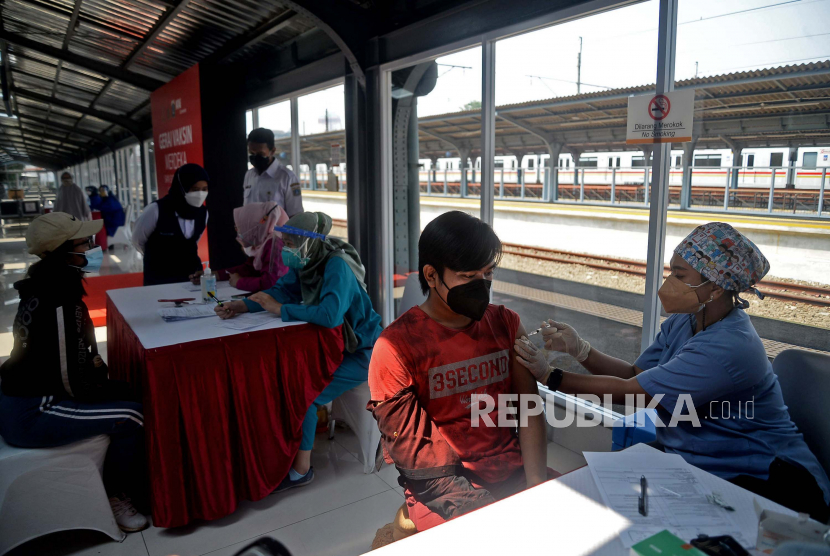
{"points": [[651, 356], [692, 371], [339, 285], [286, 290]]}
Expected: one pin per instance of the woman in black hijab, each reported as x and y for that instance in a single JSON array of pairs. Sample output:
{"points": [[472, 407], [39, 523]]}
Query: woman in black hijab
{"points": [[168, 230]]}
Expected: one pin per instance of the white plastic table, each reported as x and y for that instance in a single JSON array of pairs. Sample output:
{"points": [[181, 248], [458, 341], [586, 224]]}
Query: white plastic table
{"points": [[564, 517], [139, 307]]}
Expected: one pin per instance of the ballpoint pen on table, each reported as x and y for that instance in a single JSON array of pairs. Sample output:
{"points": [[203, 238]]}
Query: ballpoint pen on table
{"points": [[216, 300], [642, 501]]}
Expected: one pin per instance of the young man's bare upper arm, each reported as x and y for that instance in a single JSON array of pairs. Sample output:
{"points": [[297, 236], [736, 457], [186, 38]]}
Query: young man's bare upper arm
{"points": [[523, 381]]}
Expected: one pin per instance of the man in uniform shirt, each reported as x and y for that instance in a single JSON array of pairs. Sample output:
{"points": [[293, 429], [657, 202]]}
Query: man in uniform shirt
{"points": [[269, 180]]}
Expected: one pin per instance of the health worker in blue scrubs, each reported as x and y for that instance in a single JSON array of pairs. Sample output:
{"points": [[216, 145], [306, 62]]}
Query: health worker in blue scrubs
{"points": [[324, 286], [709, 369]]}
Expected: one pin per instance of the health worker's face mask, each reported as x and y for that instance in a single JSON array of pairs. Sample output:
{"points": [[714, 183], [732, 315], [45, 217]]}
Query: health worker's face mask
{"points": [[292, 256], [94, 258], [679, 297], [196, 198], [261, 163], [470, 299]]}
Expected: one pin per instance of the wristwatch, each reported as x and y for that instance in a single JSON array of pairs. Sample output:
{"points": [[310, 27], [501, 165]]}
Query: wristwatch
{"points": [[555, 379]]}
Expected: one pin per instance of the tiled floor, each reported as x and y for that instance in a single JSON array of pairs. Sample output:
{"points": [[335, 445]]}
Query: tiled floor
{"points": [[337, 514]]}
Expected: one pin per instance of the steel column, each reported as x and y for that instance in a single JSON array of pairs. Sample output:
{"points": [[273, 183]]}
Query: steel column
{"points": [[296, 160], [666, 49], [821, 191], [488, 130], [613, 185], [771, 189]]}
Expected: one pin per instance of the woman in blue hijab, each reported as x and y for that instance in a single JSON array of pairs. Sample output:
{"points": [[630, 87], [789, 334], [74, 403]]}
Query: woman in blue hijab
{"points": [[111, 210]]}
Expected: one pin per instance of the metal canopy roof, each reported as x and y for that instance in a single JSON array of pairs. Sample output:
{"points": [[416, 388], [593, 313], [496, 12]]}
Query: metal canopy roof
{"points": [[77, 74], [776, 107]]}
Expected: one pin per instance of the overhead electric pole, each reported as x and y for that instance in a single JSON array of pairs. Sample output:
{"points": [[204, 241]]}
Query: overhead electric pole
{"points": [[579, 68]]}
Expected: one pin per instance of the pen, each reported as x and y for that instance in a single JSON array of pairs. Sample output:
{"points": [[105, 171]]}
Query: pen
{"points": [[216, 300], [642, 502]]}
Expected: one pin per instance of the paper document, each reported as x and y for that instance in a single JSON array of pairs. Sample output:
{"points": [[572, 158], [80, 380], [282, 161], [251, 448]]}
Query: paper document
{"points": [[676, 498], [246, 321], [187, 312]]}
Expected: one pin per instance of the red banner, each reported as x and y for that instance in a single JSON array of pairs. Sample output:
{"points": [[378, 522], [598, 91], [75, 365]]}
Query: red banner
{"points": [[177, 126]]}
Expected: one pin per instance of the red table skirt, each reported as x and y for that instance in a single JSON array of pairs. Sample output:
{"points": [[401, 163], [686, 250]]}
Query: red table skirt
{"points": [[223, 417], [100, 237]]}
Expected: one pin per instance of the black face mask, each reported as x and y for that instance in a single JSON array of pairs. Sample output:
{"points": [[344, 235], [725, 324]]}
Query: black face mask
{"points": [[470, 299], [261, 163]]}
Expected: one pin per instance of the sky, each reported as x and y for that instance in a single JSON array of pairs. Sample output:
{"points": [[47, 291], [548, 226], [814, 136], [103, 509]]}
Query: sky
{"points": [[619, 49]]}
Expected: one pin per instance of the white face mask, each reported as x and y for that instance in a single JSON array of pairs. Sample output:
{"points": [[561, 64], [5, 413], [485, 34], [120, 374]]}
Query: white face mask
{"points": [[196, 198]]}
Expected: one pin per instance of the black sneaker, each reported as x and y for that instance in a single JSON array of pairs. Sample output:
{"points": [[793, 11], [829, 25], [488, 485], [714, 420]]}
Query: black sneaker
{"points": [[302, 481]]}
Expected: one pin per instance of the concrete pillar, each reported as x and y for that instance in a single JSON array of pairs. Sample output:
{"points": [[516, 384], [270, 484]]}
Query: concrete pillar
{"points": [[736, 163], [686, 189], [792, 158], [464, 154], [554, 150], [312, 173]]}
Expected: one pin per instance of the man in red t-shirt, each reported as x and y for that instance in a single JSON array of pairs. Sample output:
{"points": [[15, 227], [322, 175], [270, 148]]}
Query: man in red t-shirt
{"points": [[429, 368]]}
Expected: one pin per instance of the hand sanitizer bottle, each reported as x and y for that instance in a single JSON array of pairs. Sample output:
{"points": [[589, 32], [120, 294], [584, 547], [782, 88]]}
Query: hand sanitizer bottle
{"points": [[208, 282]]}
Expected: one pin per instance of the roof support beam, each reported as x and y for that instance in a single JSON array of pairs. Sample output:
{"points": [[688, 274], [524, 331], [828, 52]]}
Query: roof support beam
{"points": [[85, 20], [458, 145], [346, 25], [545, 136], [91, 134], [113, 72], [261, 32], [6, 78], [121, 121], [156, 30]]}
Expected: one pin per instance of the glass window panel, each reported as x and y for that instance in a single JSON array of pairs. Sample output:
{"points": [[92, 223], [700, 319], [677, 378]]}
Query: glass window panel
{"points": [[436, 144], [569, 258], [321, 117], [277, 118], [777, 187]]}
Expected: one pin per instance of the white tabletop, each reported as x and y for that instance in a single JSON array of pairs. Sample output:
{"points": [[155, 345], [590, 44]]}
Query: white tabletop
{"points": [[139, 307], [565, 517]]}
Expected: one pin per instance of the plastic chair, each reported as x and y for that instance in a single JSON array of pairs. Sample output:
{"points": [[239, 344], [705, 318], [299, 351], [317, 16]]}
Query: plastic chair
{"points": [[124, 234], [412, 294], [351, 408], [47, 490], [805, 383]]}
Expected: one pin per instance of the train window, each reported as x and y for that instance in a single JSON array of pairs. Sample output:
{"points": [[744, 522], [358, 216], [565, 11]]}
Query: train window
{"points": [[530, 162], [810, 160], [750, 161], [638, 161], [588, 162], [776, 159], [707, 160]]}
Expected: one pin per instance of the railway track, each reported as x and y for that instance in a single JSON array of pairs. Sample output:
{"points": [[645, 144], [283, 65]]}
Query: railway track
{"points": [[814, 295]]}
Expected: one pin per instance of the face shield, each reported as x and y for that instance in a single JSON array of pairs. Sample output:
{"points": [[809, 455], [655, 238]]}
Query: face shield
{"points": [[303, 242]]}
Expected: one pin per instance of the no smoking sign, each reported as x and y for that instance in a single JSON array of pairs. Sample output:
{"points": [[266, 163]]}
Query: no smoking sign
{"points": [[659, 107], [660, 118]]}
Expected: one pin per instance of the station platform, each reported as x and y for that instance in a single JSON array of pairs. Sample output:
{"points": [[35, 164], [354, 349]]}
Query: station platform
{"points": [[798, 248]]}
